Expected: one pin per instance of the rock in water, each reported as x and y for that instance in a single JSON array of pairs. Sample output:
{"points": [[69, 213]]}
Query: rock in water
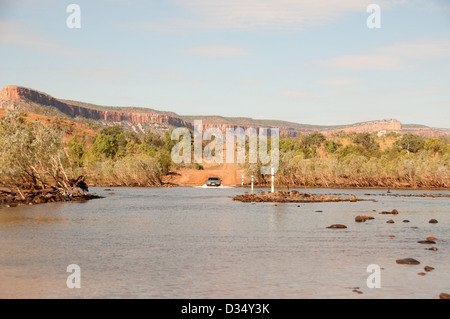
{"points": [[428, 268], [429, 242], [293, 197], [337, 226], [444, 296], [433, 221], [393, 212], [361, 219], [407, 261]]}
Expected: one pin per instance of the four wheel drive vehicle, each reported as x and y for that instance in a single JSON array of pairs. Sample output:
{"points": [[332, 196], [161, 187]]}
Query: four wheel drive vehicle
{"points": [[213, 181]]}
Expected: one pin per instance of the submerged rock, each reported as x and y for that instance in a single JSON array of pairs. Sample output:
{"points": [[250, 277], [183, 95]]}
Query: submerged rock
{"points": [[407, 261], [428, 268], [393, 212], [433, 221], [361, 219], [337, 226], [428, 242]]}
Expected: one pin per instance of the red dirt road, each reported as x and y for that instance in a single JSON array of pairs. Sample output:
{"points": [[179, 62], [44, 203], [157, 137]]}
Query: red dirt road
{"points": [[230, 174]]}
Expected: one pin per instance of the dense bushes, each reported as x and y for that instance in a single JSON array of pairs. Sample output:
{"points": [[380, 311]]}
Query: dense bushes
{"points": [[123, 158], [406, 161], [32, 155]]}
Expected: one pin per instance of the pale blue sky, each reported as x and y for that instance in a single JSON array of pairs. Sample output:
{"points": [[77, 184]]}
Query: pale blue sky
{"points": [[307, 61]]}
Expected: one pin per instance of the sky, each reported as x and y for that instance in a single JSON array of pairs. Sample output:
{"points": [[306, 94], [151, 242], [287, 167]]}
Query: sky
{"points": [[305, 61]]}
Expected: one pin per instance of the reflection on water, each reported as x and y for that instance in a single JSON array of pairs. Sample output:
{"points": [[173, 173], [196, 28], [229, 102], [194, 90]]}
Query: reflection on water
{"points": [[197, 243]]}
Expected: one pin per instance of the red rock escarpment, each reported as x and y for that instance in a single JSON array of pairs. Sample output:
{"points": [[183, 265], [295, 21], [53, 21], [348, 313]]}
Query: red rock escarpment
{"points": [[21, 93], [9, 93]]}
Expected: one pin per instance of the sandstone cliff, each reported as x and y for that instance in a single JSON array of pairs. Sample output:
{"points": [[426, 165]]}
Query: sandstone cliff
{"points": [[140, 119], [21, 93]]}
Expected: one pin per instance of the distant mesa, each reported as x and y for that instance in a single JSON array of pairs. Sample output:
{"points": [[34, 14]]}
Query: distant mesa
{"points": [[140, 118]]}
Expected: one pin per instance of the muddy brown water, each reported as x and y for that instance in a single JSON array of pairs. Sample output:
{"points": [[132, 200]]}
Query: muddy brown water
{"points": [[198, 243]]}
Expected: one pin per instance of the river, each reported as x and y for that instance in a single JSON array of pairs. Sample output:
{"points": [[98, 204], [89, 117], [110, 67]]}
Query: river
{"points": [[191, 242]]}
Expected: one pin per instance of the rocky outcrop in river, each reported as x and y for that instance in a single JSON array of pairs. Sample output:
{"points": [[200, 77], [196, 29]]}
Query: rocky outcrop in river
{"points": [[293, 197]]}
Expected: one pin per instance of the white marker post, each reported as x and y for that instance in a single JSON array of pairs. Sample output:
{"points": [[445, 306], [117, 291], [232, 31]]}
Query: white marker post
{"points": [[252, 184], [273, 180], [242, 184]]}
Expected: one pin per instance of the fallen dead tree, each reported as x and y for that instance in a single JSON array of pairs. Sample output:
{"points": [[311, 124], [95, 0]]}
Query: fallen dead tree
{"points": [[33, 164], [21, 197]]}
